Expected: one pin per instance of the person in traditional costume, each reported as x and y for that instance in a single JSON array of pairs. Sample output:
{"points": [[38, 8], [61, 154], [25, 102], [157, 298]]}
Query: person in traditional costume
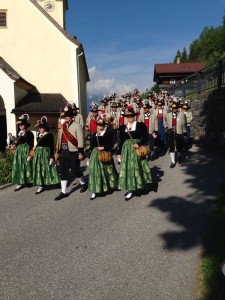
{"points": [[104, 108], [177, 131], [22, 166], [189, 116], [78, 118], [120, 113], [134, 171], [91, 121], [113, 122], [103, 176], [44, 172], [160, 114], [121, 119], [70, 146], [151, 122]]}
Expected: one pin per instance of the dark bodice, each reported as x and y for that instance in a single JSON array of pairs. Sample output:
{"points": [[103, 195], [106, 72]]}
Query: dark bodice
{"points": [[106, 140], [47, 141], [140, 133], [27, 138]]}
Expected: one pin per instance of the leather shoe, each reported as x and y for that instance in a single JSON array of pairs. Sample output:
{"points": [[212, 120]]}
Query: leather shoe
{"points": [[40, 189], [19, 187], [128, 196], [61, 196], [93, 196], [83, 188], [179, 160], [172, 165]]}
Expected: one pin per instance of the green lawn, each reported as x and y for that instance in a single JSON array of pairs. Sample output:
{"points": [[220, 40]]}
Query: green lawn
{"points": [[213, 280]]}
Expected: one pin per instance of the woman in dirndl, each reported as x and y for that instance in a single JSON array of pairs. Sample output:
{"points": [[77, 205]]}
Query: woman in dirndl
{"points": [[22, 166], [44, 171], [134, 170], [103, 176]]}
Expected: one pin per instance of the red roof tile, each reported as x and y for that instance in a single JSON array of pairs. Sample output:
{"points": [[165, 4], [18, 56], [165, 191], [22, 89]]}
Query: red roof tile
{"points": [[179, 68]]}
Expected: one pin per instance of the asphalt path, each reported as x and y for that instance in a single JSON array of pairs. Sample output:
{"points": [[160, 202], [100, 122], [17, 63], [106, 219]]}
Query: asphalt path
{"points": [[108, 248]]}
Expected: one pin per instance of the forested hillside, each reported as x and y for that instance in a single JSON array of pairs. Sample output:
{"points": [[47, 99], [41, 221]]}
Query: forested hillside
{"points": [[208, 47]]}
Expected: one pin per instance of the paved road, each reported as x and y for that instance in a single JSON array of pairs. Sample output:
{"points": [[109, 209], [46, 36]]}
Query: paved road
{"points": [[77, 249]]}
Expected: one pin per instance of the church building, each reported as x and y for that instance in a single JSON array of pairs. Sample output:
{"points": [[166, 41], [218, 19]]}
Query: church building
{"points": [[41, 65]]}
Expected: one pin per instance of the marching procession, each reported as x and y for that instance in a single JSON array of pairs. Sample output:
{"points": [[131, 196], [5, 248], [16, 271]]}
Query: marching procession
{"points": [[136, 130]]}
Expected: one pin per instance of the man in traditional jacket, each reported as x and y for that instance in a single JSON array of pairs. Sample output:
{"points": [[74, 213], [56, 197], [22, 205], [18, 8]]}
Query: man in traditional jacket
{"points": [[78, 118], [71, 151], [177, 129]]}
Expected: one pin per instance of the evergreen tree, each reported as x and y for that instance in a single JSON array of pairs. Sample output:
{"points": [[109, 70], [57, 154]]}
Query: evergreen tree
{"points": [[184, 56], [208, 47]]}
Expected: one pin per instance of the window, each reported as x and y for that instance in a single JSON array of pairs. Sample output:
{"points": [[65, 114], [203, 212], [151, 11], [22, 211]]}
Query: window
{"points": [[3, 18]]}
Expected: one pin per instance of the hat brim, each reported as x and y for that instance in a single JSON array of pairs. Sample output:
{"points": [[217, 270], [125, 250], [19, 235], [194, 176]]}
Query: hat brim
{"points": [[101, 124], [23, 123], [67, 114], [130, 115], [45, 126]]}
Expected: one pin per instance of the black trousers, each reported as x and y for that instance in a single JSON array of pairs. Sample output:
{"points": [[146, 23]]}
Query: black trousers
{"points": [[175, 141], [151, 142], [69, 160]]}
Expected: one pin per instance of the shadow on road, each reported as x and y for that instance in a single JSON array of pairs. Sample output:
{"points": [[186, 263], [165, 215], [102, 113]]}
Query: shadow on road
{"points": [[205, 175]]}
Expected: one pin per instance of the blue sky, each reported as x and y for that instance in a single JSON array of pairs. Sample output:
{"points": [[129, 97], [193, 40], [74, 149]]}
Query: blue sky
{"points": [[123, 40]]}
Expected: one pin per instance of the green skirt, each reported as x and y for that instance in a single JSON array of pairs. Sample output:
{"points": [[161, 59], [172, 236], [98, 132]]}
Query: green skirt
{"points": [[102, 177], [21, 168], [43, 173], [134, 172]]}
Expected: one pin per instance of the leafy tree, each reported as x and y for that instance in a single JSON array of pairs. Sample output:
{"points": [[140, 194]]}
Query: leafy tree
{"points": [[155, 88]]}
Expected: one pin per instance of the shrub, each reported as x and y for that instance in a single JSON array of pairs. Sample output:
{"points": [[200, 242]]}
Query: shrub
{"points": [[6, 160]]}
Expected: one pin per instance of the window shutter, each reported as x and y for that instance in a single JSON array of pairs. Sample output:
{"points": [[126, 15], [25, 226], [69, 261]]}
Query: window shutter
{"points": [[2, 18]]}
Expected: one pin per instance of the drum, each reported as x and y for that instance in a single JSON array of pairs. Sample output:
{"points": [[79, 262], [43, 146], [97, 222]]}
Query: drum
{"points": [[105, 156], [142, 151]]}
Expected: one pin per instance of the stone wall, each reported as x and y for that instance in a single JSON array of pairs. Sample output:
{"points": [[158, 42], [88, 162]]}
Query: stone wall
{"points": [[208, 125]]}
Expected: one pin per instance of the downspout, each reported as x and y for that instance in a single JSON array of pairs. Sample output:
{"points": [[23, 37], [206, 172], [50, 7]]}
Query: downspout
{"points": [[78, 75]]}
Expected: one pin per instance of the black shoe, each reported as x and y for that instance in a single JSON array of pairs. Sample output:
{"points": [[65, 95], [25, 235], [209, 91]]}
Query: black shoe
{"points": [[83, 188], [152, 157], [179, 160], [172, 165], [61, 196], [19, 187]]}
